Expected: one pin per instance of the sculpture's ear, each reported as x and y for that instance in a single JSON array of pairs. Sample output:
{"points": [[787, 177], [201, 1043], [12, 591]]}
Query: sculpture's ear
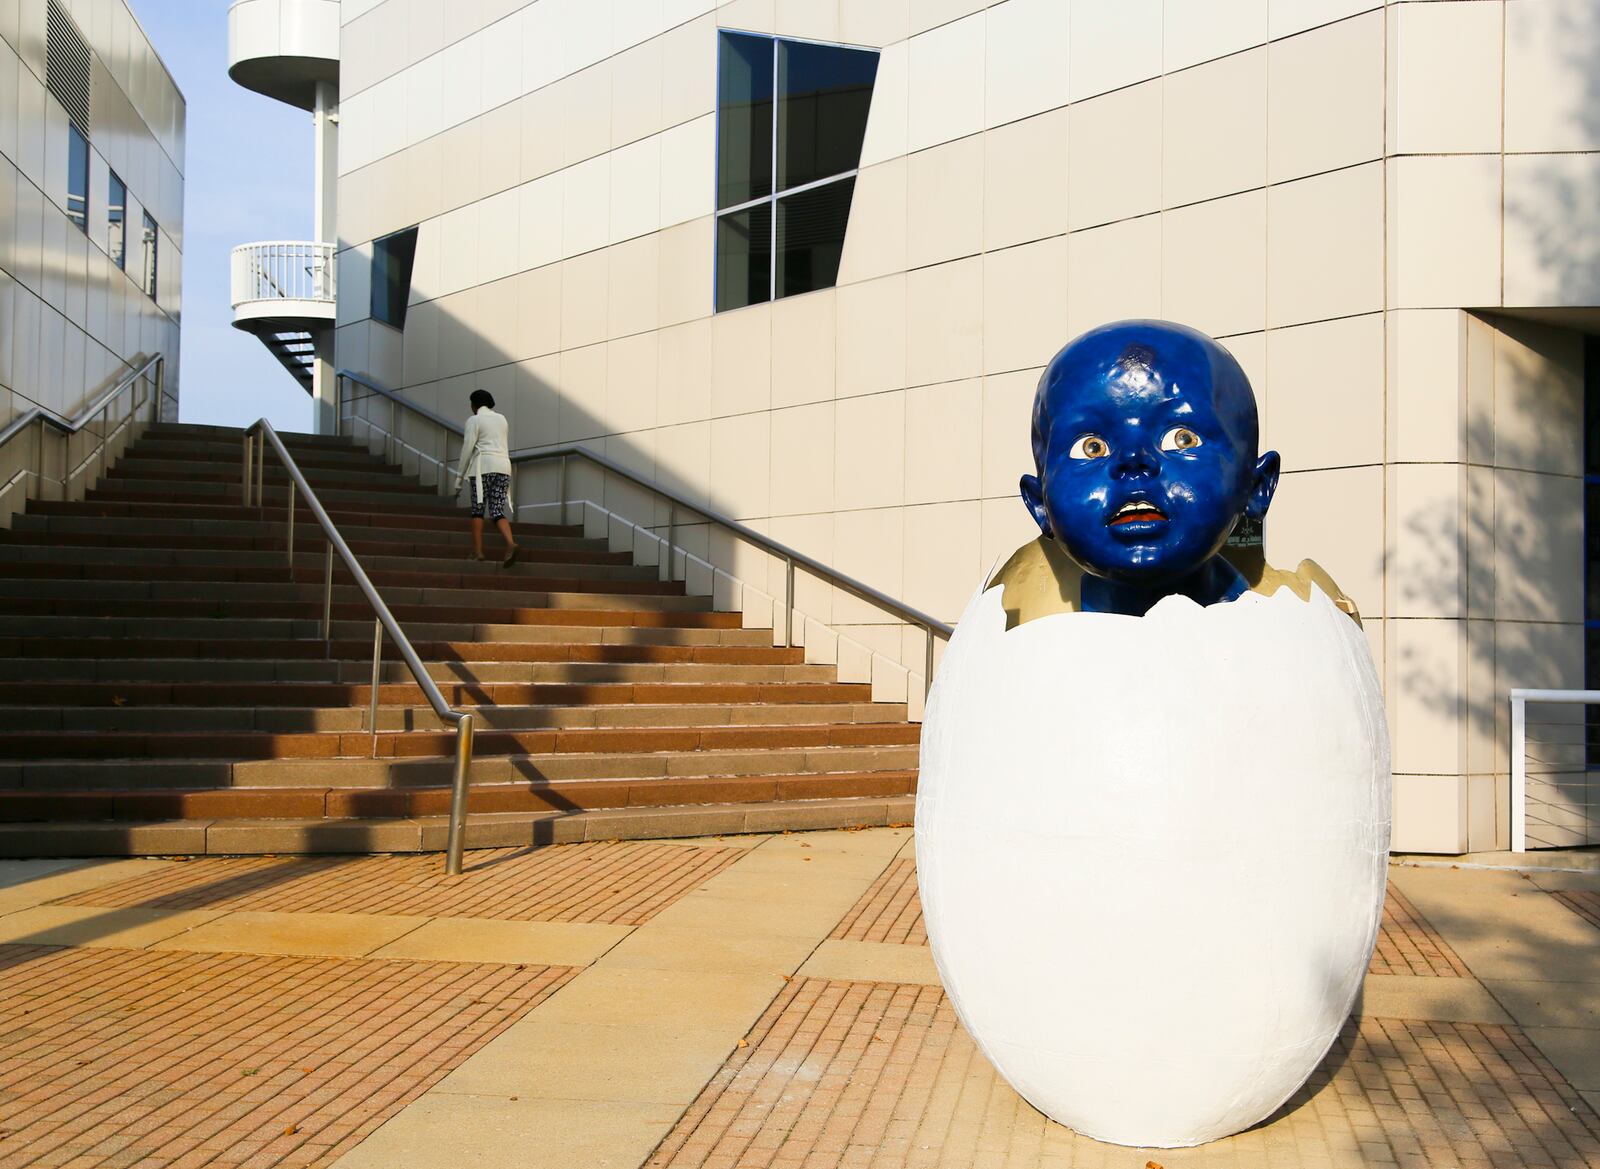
{"points": [[1033, 496], [1263, 485]]}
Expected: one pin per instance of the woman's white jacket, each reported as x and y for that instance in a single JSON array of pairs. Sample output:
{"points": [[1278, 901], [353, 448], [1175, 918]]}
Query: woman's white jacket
{"points": [[484, 447]]}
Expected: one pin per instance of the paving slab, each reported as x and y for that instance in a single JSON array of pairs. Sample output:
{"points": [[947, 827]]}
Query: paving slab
{"points": [[75, 877], [1550, 1004], [855, 961], [1414, 996], [79, 925], [1575, 1052], [325, 935], [665, 948], [471, 939]]}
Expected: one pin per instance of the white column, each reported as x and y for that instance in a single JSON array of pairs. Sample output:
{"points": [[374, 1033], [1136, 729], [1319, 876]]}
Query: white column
{"points": [[325, 121]]}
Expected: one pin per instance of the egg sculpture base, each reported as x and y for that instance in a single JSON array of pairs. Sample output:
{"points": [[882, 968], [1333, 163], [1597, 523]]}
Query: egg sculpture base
{"points": [[1152, 854]]}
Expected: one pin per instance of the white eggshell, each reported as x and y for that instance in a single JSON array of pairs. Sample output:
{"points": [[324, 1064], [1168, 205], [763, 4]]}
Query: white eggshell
{"points": [[1152, 854]]}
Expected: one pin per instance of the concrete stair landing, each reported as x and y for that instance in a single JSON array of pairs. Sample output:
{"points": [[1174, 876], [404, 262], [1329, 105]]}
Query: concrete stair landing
{"points": [[164, 688]]}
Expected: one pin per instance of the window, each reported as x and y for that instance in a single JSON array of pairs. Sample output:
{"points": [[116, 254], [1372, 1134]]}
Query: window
{"points": [[77, 178], [791, 117], [391, 276], [152, 241], [116, 211]]}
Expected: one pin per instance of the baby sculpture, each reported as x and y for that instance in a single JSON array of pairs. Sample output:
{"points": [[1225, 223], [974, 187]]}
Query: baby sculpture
{"points": [[1153, 809]]}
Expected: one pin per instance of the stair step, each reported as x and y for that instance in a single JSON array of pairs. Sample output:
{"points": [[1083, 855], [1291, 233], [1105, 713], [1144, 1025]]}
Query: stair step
{"points": [[107, 649], [46, 671], [264, 629]]}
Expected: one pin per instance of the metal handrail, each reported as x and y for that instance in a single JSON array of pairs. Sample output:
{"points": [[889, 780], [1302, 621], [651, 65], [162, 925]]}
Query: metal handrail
{"points": [[791, 557], [1520, 697], [255, 442], [71, 426]]}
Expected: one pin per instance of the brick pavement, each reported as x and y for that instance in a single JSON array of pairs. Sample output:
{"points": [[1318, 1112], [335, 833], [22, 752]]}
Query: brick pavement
{"points": [[890, 911], [852, 1074], [618, 882], [168, 1060]]}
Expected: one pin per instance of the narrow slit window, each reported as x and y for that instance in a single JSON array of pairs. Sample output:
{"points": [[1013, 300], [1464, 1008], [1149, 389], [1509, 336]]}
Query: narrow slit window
{"points": [[148, 270], [791, 120], [77, 178], [392, 257], [116, 214]]}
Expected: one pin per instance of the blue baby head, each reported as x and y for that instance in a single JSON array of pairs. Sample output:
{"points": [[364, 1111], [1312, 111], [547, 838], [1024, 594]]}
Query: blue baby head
{"points": [[1145, 440]]}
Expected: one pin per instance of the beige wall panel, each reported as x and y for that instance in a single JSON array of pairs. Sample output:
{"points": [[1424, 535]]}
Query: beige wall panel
{"points": [[816, 20], [946, 83], [1325, 246], [689, 53], [1538, 530], [1427, 385], [1024, 305], [538, 395], [683, 461], [585, 299], [636, 88], [1108, 273], [1322, 401], [1287, 17], [870, 546], [944, 441], [874, 22], [1427, 538], [684, 383], [1007, 430], [1115, 43], [541, 150], [741, 360], [871, 340], [635, 189], [943, 548], [888, 121], [1429, 814], [1550, 49], [1214, 133], [1007, 526], [875, 238], [688, 163], [1335, 518], [1552, 230], [1538, 397], [1203, 30], [803, 349], [686, 271], [586, 203], [1444, 79], [1026, 40], [1098, 187], [631, 367], [1213, 264], [583, 401], [1325, 94], [539, 308], [944, 202], [634, 286], [803, 440], [741, 465], [1426, 694], [944, 322], [1444, 231], [1025, 180], [870, 451]]}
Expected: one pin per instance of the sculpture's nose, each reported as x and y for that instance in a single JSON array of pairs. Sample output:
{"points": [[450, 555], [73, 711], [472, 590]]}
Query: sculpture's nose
{"points": [[1133, 460]]}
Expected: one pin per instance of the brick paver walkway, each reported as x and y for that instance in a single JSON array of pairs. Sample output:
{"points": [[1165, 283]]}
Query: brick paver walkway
{"points": [[167, 1060], [890, 911], [854, 1074], [1584, 902], [622, 882]]}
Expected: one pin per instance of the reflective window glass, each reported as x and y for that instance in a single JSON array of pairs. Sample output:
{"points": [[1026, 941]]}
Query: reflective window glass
{"points": [[744, 119], [392, 258], [811, 228], [823, 95], [152, 241], [116, 212], [77, 178], [744, 256]]}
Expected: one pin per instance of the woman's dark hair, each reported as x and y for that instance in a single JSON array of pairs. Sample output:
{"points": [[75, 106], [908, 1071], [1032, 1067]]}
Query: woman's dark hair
{"points": [[481, 398]]}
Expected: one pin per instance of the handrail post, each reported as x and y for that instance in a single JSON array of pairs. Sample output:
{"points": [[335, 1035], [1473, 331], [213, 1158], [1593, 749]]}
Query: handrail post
{"points": [[562, 476], [456, 840], [261, 468], [377, 666], [788, 602], [672, 538], [327, 602], [1519, 773], [927, 667], [291, 528], [249, 471]]}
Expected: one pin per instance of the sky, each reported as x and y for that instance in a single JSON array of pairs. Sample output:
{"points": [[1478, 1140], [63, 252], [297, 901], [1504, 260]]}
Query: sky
{"points": [[247, 177]]}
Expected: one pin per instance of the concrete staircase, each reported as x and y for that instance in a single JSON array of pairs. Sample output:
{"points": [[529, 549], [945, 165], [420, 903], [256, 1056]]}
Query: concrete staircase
{"points": [[164, 687]]}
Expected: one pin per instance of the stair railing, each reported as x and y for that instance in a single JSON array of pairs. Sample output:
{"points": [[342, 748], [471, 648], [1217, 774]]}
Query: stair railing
{"points": [[256, 440], [396, 447], [146, 384]]}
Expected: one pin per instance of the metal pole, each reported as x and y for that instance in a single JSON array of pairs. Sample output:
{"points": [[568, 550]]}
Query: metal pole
{"points": [[377, 665], [249, 471], [788, 602], [672, 537], [563, 477], [261, 467], [102, 474], [927, 666], [458, 798], [291, 528], [1519, 773], [327, 601]]}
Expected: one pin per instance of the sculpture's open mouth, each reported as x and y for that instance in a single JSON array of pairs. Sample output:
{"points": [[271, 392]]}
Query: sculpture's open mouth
{"points": [[1137, 511]]}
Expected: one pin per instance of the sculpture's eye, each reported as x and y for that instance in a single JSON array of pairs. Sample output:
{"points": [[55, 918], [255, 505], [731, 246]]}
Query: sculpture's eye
{"points": [[1180, 438], [1090, 446]]}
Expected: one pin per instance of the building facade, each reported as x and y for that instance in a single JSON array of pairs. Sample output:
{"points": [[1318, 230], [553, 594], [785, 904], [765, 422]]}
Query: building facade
{"points": [[818, 300], [91, 205]]}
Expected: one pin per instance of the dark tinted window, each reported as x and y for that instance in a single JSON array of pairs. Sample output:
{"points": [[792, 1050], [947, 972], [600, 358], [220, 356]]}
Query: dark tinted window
{"points": [[744, 256], [783, 237], [77, 178], [823, 95], [744, 119], [149, 270], [116, 214], [391, 276], [811, 236]]}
